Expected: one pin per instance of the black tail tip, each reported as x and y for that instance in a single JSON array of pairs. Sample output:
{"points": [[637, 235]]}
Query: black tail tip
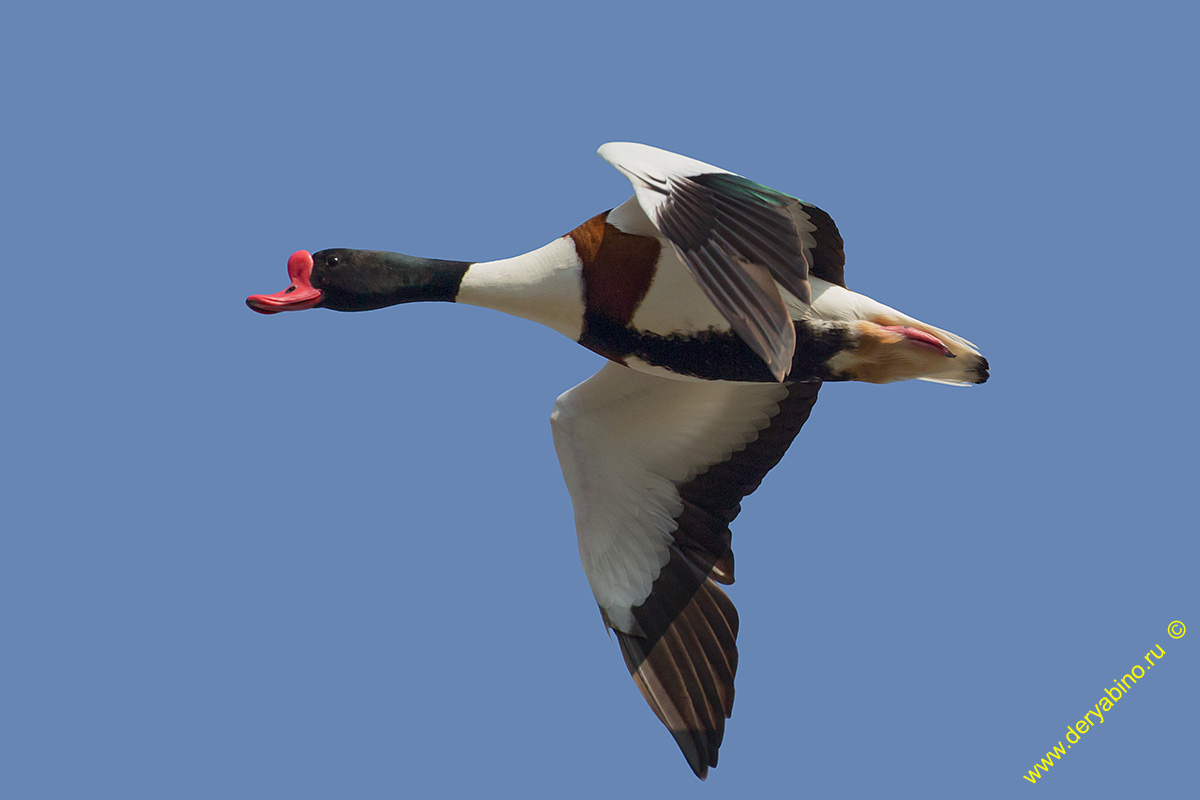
{"points": [[981, 371]]}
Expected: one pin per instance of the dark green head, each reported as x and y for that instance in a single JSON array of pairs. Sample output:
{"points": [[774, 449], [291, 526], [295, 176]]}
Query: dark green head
{"points": [[360, 280]]}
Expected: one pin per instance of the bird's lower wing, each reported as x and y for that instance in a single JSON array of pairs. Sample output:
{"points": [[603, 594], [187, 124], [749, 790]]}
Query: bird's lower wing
{"points": [[657, 468]]}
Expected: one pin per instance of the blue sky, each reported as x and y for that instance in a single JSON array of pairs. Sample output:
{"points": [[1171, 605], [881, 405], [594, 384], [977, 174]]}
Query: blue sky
{"points": [[331, 555]]}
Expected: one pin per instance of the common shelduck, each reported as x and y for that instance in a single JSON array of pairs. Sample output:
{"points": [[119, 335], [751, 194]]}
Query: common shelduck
{"points": [[721, 306]]}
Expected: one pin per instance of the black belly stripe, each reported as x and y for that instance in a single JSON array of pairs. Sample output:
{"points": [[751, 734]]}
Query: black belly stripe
{"points": [[710, 354]]}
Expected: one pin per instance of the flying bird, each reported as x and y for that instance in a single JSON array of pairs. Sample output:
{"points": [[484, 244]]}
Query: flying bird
{"points": [[722, 307]]}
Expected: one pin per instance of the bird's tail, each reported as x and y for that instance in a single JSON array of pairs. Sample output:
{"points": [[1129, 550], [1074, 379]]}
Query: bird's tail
{"points": [[895, 347]]}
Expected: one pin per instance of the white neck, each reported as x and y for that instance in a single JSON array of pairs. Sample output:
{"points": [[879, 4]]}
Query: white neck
{"points": [[544, 286]]}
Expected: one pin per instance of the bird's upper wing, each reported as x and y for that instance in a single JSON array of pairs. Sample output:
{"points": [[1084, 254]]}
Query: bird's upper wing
{"points": [[737, 238], [657, 468]]}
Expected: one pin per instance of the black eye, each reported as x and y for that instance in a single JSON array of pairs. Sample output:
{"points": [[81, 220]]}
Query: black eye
{"points": [[332, 261]]}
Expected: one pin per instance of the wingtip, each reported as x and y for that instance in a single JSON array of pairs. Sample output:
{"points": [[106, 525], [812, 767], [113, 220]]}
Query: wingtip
{"points": [[611, 146], [635, 157], [611, 151], [692, 753]]}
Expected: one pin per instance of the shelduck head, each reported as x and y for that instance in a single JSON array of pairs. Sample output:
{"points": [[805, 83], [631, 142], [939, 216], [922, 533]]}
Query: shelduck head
{"points": [[360, 280]]}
